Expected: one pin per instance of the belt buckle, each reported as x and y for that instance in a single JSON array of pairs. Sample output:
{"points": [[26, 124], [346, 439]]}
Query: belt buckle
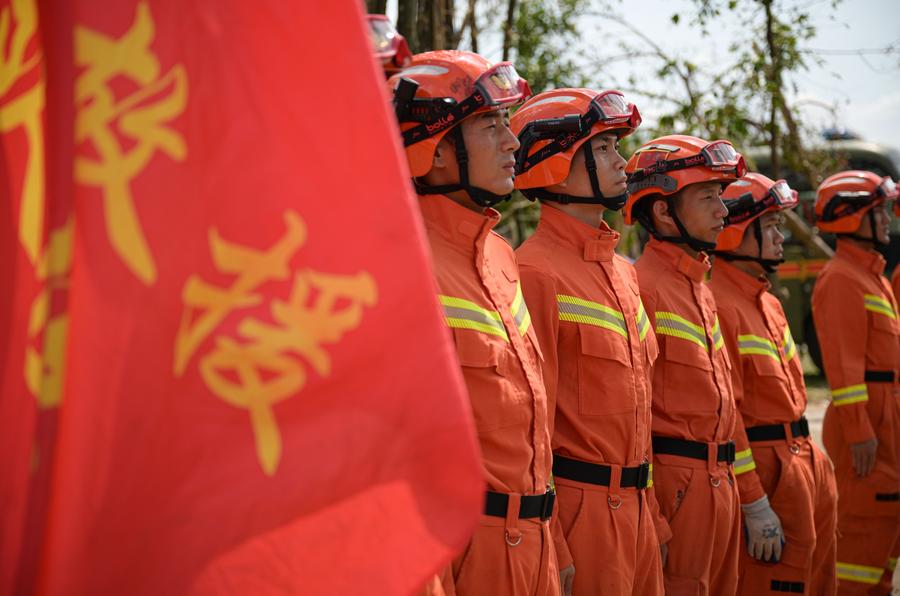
{"points": [[643, 475], [547, 504]]}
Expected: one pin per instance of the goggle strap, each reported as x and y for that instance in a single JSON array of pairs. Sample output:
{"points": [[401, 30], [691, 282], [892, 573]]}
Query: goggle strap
{"points": [[444, 119], [562, 141]]}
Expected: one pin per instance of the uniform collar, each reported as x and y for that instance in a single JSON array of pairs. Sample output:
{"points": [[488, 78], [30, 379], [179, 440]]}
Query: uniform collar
{"points": [[595, 244], [692, 268], [750, 285], [861, 258], [454, 222]]}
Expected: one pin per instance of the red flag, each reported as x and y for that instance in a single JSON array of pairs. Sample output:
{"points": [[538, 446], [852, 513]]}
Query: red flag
{"points": [[260, 396], [35, 256]]}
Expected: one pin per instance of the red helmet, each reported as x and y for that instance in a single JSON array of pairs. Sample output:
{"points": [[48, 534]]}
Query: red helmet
{"points": [[747, 200], [440, 89], [844, 198], [668, 164], [391, 48]]}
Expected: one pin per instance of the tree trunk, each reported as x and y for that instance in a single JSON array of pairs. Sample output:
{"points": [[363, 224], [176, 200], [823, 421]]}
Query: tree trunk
{"points": [[407, 11], [508, 28], [473, 27], [376, 6]]}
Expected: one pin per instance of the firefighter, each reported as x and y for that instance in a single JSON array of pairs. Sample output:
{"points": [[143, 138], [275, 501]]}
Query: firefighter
{"points": [[674, 185], [391, 49], [855, 315], [895, 278], [788, 493], [595, 337], [452, 109]]}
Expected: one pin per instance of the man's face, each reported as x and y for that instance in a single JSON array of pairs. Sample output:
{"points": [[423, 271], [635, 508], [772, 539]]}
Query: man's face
{"points": [[491, 146], [702, 211], [610, 168], [772, 238], [882, 224]]}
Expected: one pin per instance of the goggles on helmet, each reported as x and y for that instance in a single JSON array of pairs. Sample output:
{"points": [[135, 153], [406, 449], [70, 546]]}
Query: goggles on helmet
{"points": [[718, 155], [501, 86], [745, 207], [609, 108], [383, 34]]}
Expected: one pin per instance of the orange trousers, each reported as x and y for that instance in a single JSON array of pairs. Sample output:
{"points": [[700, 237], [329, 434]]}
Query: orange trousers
{"points": [[799, 481], [701, 503], [515, 557], [868, 508], [611, 536]]}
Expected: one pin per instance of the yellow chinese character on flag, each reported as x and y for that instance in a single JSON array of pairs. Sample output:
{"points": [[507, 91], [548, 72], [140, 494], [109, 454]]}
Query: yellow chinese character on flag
{"points": [[265, 364], [103, 120]]}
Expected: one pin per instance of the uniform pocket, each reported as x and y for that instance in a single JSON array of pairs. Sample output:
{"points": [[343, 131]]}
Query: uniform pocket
{"points": [[603, 362], [487, 366], [688, 385]]}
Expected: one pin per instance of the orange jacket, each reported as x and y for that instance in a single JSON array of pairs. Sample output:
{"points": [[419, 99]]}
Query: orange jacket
{"points": [[495, 342], [692, 396], [895, 281], [766, 374], [596, 340], [855, 313]]}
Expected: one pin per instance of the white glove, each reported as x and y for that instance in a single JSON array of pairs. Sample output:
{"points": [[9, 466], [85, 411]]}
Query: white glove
{"points": [[764, 535]]}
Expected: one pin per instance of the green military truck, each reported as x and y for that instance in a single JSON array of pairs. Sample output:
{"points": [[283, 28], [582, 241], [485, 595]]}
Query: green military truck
{"points": [[805, 252]]}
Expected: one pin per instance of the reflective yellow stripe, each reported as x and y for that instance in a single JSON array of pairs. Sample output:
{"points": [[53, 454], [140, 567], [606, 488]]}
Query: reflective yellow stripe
{"points": [[718, 342], [859, 573], [668, 323], [849, 395], [643, 321], [743, 462], [519, 311], [759, 346], [879, 305], [463, 314], [650, 482], [790, 348], [579, 310]]}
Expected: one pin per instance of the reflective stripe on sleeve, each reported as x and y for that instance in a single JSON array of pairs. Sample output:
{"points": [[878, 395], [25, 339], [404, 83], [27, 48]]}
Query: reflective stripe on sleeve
{"points": [[853, 394], [880, 305], [859, 573], [743, 462]]}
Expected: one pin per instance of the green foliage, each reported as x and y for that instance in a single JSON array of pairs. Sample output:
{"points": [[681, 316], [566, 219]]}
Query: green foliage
{"points": [[545, 30]]}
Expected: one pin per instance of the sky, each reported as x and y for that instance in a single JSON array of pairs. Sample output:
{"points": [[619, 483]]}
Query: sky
{"points": [[861, 94]]}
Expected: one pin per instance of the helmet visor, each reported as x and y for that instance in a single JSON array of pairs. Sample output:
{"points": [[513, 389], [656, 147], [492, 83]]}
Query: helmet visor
{"points": [[888, 188], [783, 195], [502, 85], [383, 34]]}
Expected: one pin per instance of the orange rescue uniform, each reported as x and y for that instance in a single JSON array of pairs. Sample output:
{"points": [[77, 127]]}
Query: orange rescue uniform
{"points": [[775, 455], [598, 349], [895, 281], [692, 401], [856, 320], [482, 300]]}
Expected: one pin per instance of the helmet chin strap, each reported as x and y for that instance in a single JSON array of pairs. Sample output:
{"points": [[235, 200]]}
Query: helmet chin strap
{"points": [[480, 196], [769, 265], [876, 242], [614, 203], [684, 236]]}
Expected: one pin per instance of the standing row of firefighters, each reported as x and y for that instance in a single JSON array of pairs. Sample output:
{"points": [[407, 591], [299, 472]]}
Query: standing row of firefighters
{"points": [[641, 427]]}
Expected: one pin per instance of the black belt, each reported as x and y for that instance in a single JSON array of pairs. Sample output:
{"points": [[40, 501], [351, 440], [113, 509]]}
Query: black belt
{"points": [[496, 504], [692, 449], [775, 432], [880, 376], [582, 471]]}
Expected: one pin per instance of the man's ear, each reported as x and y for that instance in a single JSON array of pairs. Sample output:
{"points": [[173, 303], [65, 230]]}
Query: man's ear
{"points": [[441, 153], [660, 211]]}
